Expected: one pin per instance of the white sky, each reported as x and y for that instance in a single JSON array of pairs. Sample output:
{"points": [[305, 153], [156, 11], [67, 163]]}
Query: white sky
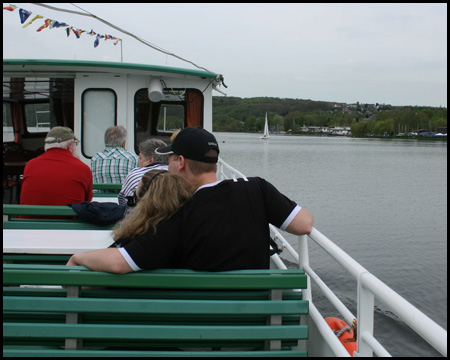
{"points": [[372, 53]]}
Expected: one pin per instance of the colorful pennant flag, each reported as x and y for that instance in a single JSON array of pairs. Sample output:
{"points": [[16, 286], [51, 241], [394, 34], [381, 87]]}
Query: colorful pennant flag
{"points": [[49, 23], [97, 40], [32, 20], [46, 24], [57, 24], [24, 15], [10, 7]]}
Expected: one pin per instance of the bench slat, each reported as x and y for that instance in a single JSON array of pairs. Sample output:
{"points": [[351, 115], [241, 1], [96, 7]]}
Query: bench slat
{"points": [[36, 258], [153, 332], [142, 353], [239, 279], [26, 224], [105, 186], [141, 306], [48, 210]]}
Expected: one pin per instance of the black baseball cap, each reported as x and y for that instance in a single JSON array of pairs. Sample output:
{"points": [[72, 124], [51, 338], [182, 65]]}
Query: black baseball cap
{"points": [[192, 143]]}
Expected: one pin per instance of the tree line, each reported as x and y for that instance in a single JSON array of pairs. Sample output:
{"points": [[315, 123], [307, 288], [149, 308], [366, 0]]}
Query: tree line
{"points": [[233, 114]]}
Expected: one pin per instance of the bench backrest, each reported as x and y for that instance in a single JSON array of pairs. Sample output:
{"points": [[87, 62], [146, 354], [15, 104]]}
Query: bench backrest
{"points": [[152, 310], [38, 210], [106, 190], [69, 223], [104, 186]]}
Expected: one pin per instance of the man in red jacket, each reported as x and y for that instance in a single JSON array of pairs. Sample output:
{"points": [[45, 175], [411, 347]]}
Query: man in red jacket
{"points": [[57, 177]]}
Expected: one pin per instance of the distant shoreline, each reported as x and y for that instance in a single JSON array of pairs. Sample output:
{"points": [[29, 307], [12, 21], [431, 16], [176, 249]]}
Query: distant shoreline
{"points": [[402, 137]]}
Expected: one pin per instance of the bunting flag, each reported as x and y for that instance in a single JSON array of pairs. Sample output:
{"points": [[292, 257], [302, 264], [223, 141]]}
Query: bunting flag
{"points": [[10, 7], [32, 20], [57, 24], [50, 24], [24, 15], [97, 40], [46, 24]]}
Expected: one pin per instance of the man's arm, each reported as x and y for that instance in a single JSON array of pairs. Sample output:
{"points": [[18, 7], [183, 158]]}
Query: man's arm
{"points": [[109, 260], [302, 223]]}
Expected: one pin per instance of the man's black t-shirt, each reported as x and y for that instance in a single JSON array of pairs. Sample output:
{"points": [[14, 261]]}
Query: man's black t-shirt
{"points": [[224, 227]]}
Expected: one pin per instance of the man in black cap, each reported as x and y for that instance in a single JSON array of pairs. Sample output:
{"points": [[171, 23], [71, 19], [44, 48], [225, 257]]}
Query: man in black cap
{"points": [[226, 224]]}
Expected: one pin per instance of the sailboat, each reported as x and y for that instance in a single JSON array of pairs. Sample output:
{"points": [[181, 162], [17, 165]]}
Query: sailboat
{"points": [[266, 130]]}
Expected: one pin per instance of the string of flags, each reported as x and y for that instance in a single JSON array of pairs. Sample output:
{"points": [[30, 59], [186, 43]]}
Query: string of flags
{"points": [[50, 24]]}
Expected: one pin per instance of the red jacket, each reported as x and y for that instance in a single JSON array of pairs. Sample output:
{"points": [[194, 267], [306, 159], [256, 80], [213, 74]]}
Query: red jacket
{"points": [[56, 178]]}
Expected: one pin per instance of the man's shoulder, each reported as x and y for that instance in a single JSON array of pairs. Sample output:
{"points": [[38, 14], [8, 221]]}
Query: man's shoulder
{"points": [[113, 152], [126, 153], [245, 181], [80, 165], [135, 171]]}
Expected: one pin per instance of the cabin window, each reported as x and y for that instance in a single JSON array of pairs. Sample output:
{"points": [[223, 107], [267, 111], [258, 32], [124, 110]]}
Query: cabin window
{"points": [[171, 118], [37, 117], [33, 105], [179, 109], [99, 112], [8, 128]]}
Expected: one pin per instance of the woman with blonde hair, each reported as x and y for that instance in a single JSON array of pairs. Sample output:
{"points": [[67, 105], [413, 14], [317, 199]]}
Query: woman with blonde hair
{"points": [[155, 220], [159, 196]]}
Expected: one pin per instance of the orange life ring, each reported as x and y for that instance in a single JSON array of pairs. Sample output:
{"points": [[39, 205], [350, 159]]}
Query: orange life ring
{"points": [[343, 332]]}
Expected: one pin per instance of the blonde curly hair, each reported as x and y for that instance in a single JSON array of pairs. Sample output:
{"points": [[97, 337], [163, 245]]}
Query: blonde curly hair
{"points": [[161, 195]]}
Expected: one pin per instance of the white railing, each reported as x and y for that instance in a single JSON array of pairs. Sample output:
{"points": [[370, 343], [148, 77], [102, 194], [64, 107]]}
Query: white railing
{"points": [[369, 287], [225, 171]]}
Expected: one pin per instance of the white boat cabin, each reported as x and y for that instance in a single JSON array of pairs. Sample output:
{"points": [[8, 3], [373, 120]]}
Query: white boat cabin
{"points": [[90, 96]]}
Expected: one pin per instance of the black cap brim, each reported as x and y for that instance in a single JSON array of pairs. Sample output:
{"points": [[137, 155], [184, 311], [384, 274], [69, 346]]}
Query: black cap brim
{"points": [[165, 150]]}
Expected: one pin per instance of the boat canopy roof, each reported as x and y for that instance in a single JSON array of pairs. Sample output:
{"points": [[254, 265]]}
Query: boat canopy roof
{"points": [[24, 66]]}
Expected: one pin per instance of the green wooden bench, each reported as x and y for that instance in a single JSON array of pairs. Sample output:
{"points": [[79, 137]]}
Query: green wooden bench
{"points": [[152, 313], [10, 221], [106, 190], [56, 259], [104, 186]]}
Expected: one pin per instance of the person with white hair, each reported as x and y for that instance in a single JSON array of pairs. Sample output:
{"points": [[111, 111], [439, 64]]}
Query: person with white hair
{"points": [[112, 164], [57, 177]]}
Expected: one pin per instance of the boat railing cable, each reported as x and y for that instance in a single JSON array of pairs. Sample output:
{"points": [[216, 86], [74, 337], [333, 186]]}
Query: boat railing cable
{"points": [[145, 42]]}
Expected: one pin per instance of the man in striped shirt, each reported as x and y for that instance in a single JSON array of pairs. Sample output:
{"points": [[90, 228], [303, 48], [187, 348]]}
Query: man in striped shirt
{"points": [[148, 160], [112, 164]]}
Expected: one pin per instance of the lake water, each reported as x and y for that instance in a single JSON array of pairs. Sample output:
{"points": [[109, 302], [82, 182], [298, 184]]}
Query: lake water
{"points": [[383, 201]]}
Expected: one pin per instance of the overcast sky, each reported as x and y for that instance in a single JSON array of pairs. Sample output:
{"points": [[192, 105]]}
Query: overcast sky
{"points": [[372, 53]]}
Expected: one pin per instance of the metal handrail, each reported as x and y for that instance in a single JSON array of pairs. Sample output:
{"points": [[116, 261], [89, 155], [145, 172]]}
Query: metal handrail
{"points": [[222, 166], [369, 287]]}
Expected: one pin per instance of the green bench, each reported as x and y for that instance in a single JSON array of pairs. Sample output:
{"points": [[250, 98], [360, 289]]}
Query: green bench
{"points": [[152, 313], [10, 220], [55, 259], [11, 211], [106, 190]]}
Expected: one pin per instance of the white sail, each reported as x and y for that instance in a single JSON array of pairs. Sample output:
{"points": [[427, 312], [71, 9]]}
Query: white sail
{"points": [[266, 129]]}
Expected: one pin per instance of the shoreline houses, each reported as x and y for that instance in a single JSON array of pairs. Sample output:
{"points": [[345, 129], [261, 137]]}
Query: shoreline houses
{"points": [[337, 130]]}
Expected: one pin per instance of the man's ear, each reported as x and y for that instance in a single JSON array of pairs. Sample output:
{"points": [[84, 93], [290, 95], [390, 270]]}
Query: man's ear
{"points": [[182, 161]]}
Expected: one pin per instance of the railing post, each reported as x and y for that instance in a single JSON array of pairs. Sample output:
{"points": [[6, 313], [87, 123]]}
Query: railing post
{"points": [[303, 261], [365, 318]]}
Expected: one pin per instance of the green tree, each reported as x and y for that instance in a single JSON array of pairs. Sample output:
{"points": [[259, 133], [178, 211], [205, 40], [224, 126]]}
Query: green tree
{"points": [[360, 129], [384, 127]]}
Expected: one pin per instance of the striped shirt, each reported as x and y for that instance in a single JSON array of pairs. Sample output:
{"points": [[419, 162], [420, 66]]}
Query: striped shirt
{"points": [[112, 165], [131, 182]]}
